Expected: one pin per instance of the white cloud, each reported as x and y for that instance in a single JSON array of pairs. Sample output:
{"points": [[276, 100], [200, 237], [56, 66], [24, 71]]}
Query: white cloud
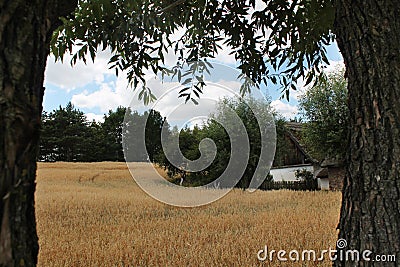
{"points": [[94, 117], [224, 56], [113, 94], [109, 96], [175, 109], [62, 75], [334, 66], [260, 5], [285, 109]]}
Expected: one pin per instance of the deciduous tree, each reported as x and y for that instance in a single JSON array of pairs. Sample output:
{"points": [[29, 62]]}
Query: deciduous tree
{"points": [[325, 107], [25, 32], [112, 134]]}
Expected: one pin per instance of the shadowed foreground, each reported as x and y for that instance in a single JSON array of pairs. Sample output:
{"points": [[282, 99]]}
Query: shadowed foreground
{"points": [[93, 214]]}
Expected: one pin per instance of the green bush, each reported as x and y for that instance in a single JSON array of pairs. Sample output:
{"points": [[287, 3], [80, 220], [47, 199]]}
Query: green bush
{"points": [[305, 182]]}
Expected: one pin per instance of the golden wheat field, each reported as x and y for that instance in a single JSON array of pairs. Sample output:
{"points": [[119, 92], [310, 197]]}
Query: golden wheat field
{"points": [[93, 214]]}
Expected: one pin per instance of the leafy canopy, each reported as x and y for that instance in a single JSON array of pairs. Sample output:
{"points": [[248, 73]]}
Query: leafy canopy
{"points": [[325, 107], [280, 42]]}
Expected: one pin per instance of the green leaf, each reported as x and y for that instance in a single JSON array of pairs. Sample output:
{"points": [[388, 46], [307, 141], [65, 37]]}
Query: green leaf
{"points": [[183, 90], [188, 80]]}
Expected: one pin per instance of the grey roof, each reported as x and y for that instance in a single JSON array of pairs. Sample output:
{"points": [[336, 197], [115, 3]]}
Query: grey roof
{"points": [[322, 173], [332, 162]]}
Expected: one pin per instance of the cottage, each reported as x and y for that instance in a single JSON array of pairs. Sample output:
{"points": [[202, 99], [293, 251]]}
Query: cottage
{"points": [[330, 172], [295, 157]]}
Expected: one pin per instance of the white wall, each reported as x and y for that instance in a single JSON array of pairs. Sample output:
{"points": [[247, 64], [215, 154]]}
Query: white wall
{"points": [[323, 183], [287, 174]]}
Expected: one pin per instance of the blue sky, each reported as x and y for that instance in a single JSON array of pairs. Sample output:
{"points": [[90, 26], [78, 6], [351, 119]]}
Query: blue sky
{"points": [[94, 89]]}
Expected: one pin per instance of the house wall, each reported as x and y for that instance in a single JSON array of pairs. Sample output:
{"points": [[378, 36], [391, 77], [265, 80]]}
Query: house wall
{"points": [[336, 177], [323, 183], [287, 174]]}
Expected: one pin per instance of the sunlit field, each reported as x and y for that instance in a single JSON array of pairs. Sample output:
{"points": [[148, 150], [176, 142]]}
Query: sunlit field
{"points": [[93, 214]]}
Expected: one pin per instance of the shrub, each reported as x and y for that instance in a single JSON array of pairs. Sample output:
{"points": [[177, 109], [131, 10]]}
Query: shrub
{"points": [[308, 178], [305, 181]]}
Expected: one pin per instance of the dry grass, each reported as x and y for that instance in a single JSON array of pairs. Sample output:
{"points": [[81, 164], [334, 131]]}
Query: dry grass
{"points": [[95, 215]]}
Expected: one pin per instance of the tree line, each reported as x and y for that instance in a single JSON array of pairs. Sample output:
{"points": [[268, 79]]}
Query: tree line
{"points": [[67, 135]]}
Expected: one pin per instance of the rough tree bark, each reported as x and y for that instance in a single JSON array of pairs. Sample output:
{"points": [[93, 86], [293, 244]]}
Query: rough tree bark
{"points": [[25, 32], [368, 35]]}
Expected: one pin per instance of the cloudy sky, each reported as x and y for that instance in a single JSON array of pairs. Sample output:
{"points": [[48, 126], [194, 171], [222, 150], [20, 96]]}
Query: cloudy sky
{"points": [[94, 88]]}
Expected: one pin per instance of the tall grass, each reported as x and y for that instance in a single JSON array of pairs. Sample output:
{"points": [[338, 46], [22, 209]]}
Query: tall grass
{"points": [[94, 214]]}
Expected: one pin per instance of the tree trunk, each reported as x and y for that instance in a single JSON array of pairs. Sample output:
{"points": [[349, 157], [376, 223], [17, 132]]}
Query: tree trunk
{"points": [[368, 35], [25, 32]]}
